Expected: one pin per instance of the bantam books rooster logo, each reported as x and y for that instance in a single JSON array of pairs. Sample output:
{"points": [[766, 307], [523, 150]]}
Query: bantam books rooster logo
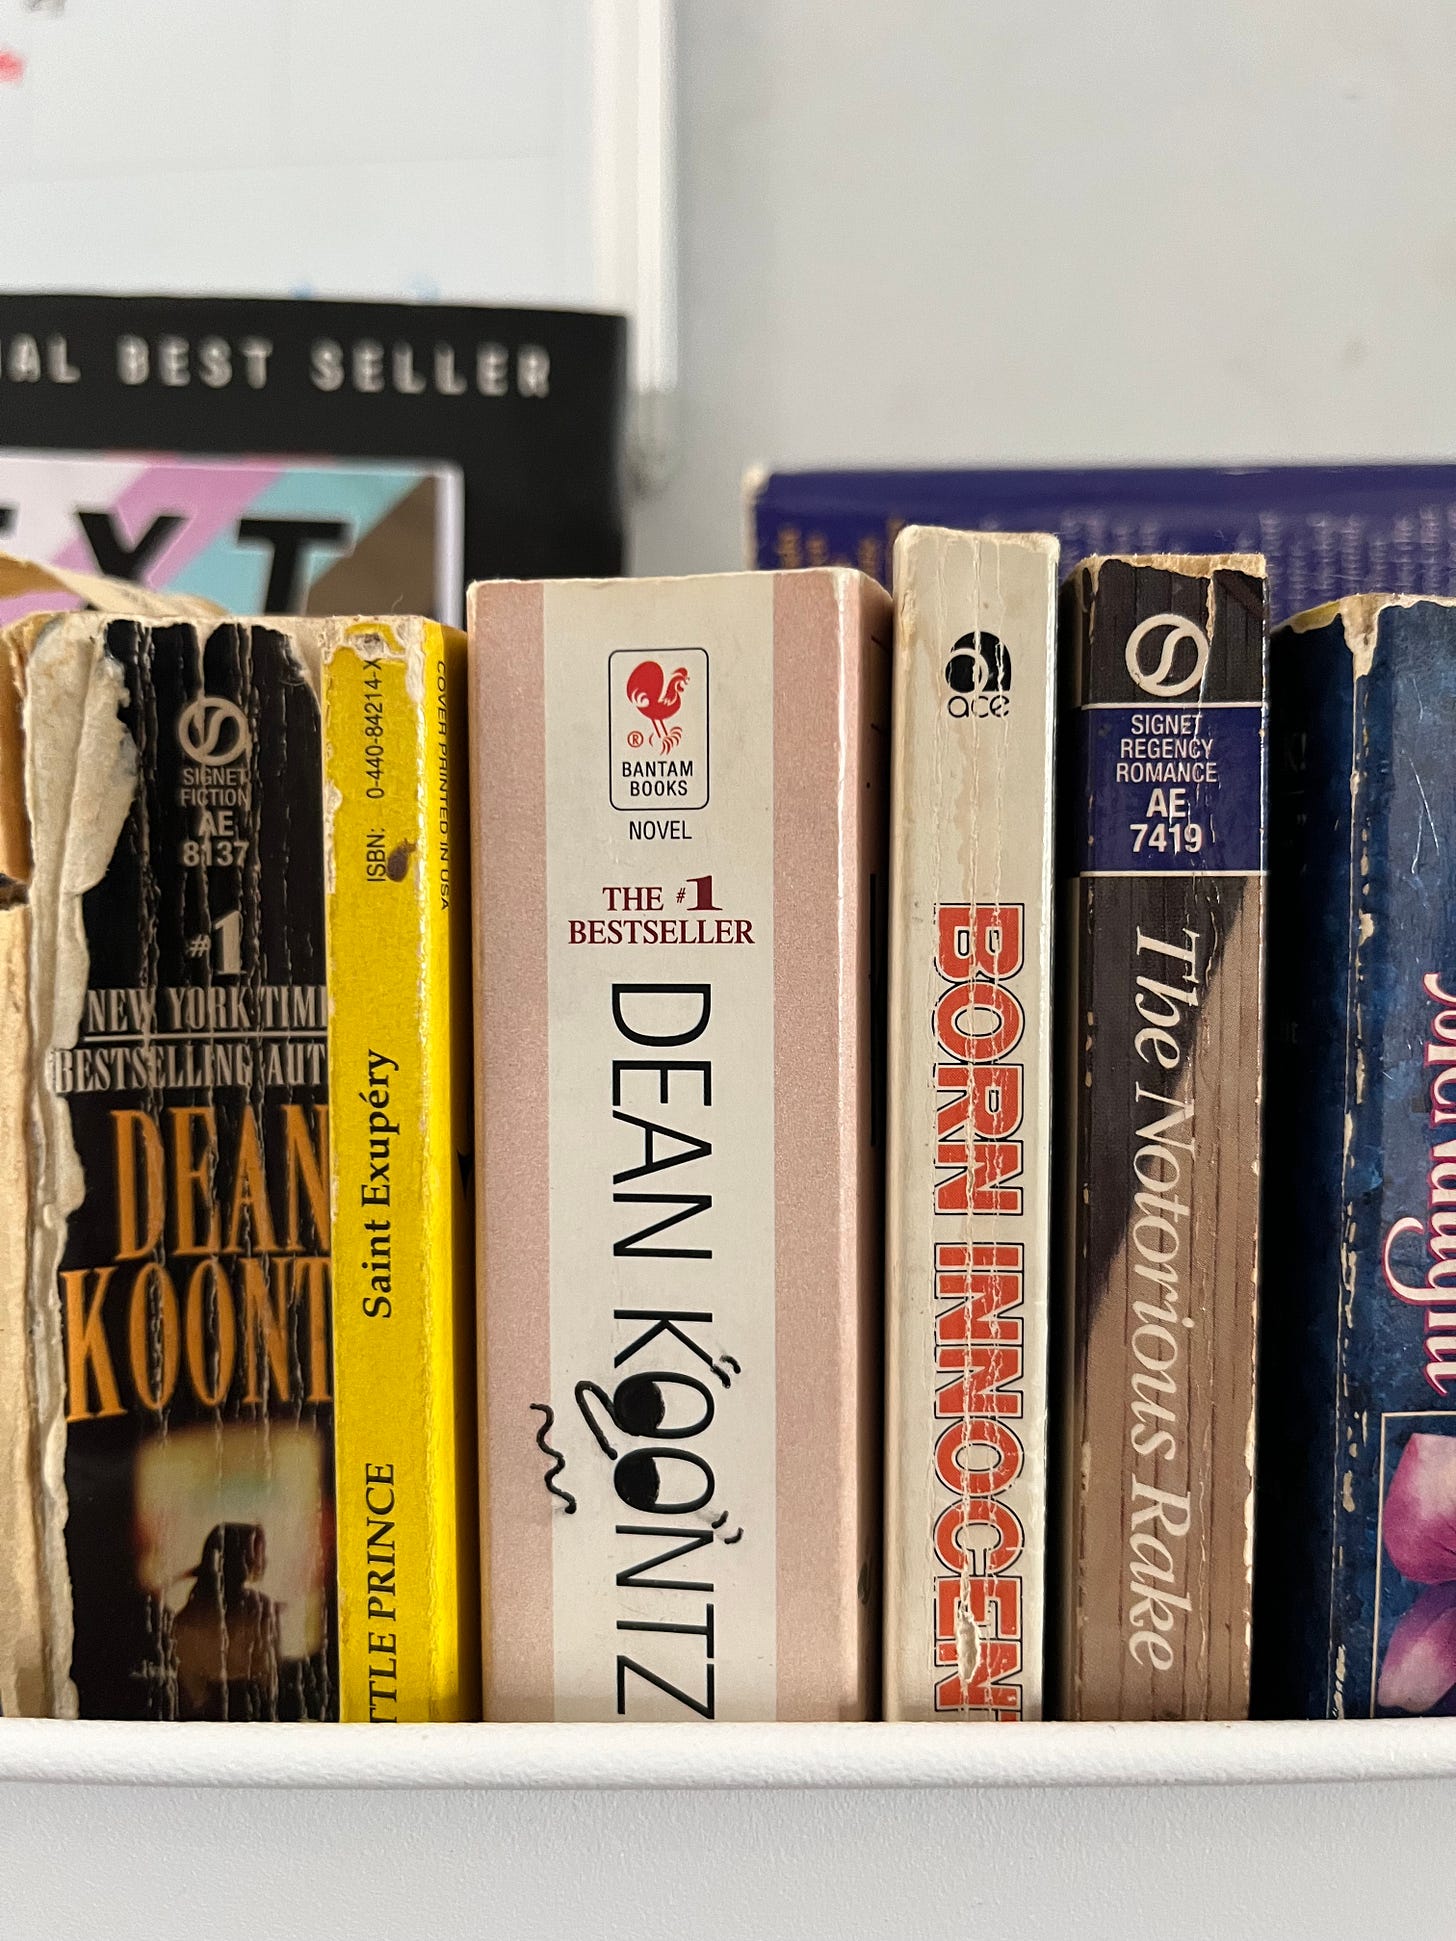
{"points": [[658, 697], [657, 704]]}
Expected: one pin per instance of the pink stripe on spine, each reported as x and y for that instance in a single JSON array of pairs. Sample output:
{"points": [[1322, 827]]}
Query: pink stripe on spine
{"points": [[825, 1227], [512, 1140], [210, 496]]}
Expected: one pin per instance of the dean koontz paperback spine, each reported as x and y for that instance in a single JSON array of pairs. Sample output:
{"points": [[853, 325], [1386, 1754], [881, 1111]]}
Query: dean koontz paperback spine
{"points": [[970, 1124], [1357, 1506], [678, 792], [178, 1255], [400, 1053], [1164, 979]]}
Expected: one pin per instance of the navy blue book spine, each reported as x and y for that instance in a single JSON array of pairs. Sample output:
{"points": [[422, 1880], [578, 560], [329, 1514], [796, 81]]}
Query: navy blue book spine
{"points": [[1325, 530], [1355, 1582]]}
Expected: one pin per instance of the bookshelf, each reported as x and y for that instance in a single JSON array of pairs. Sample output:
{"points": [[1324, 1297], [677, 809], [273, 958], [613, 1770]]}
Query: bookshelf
{"points": [[1301, 1830], [993, 158]]}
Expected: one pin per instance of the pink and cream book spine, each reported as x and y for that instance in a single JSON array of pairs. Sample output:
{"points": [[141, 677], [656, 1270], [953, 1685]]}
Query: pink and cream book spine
{"points": [[679, 803], [968, 1224]]}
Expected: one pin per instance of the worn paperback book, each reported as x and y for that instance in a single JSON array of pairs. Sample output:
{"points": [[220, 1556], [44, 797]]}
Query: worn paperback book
{"points": [[1357, 1507], [678, 795], [969, 1236], [1164, 978], [184, 1488]]}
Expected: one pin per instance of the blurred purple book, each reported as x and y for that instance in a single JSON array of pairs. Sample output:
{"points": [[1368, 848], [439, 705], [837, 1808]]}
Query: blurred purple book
{"points": [[1326, 530]]}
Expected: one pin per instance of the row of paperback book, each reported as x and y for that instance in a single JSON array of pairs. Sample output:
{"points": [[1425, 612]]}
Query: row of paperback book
{"points": [[927, 1053]]}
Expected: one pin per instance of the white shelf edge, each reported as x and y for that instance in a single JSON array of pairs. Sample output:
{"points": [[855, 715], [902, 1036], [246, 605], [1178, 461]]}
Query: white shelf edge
{"points": [[721, 1757]]}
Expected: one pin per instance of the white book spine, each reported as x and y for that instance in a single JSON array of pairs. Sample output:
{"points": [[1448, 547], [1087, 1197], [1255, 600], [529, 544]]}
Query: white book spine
{"points": [[970, 1030]]}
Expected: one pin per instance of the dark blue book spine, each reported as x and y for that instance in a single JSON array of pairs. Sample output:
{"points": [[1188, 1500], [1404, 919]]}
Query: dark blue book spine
{"points": [[1355, 1594], [1325, 530]]}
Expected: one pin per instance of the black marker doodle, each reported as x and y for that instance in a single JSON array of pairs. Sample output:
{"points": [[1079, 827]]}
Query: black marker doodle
{"points": [[640, 1406], [558, 1460], [717, 1522]]}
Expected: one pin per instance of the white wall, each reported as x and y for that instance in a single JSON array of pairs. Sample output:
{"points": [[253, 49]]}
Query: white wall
{"points": [[969, 231], [273, 147]]}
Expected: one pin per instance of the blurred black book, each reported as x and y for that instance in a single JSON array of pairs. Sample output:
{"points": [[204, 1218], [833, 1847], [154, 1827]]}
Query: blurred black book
{"points": [[296, 456]]}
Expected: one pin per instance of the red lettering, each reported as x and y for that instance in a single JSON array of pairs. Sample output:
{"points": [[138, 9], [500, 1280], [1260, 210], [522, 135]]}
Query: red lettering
{"points": [[994, 1163], [989, 1381], [996, 1100], [953, 1195], [979, 1046], [955, 1528], [988, 1096], [980, 1105], [984, 1689], [981, 1297], [994, 1604], [959, 1444], [983, 942]]}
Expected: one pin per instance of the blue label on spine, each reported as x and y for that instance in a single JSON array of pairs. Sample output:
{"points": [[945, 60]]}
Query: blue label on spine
{"points": [[1173, 791]]}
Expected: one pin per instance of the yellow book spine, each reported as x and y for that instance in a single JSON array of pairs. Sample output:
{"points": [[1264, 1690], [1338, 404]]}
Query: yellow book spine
{"points": [[399, 1063]]}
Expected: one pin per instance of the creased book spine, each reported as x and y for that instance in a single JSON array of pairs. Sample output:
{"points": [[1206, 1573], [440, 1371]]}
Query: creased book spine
{"points": [[35, 1607], [31, 1681], [970, 1125], [399, 1052], [678, 812], [178, 1247], [1357, 1502], [1164, 983]]}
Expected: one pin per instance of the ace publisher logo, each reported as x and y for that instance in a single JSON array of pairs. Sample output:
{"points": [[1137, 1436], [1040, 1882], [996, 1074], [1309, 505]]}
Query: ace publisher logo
{"points": [[658, 714], [978, 677]]}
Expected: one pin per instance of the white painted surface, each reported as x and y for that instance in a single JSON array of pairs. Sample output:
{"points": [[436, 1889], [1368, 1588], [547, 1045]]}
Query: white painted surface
{"points": [[467, 150], [709, 1759], [947, 231], [751, 1832], [279, 147]]}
